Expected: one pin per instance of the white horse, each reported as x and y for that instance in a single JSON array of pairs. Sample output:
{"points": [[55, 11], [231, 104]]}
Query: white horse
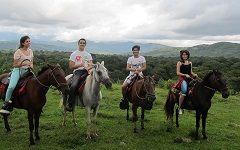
{"points": [[90, 97]]}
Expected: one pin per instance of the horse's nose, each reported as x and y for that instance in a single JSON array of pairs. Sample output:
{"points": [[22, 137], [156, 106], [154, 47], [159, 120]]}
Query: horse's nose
{"points": [[225, 94]]}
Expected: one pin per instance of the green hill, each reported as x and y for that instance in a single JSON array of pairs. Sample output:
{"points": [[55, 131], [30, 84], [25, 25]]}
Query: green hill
{"points": [[220, 49]]}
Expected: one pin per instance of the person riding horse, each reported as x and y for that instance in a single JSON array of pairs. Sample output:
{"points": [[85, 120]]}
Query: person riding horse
{"points": [[80, 62], [135, 64], [185, 73], [21, 67]]}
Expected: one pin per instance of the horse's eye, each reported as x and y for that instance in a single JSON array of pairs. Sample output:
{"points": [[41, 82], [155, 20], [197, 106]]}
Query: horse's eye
{"points": [[99, 73]]}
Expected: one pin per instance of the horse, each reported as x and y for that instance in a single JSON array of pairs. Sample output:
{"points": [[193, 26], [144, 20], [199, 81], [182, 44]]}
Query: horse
{"points": [[142, 94], [199, 99], [34, 97], [90, 97]]}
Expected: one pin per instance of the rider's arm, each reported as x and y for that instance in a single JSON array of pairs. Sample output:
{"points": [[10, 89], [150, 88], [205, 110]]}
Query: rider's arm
{"points": [[193, 74], [16, 63], [73, 66], [144, 67], [129, 67], [89, 65]]}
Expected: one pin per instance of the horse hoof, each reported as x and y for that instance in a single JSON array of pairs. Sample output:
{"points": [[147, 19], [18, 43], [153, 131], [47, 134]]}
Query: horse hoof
{"points": [[8, 130], [196, 137], [37, 139], [88, 137], [135, 131], [95, 135], [169, 130], [32, 143], [205, 137]]}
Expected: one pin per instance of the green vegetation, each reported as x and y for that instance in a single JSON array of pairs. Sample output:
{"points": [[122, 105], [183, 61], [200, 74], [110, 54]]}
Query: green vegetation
{"points": [[116, 64], [223, 126]]}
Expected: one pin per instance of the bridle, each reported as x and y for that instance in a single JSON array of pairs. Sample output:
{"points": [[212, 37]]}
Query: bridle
{"points": [[148, 94], [59, 84], [215, 89]]}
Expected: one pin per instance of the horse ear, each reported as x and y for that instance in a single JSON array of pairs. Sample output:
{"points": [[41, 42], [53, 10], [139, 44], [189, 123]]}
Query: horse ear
{"points": [[102, 63], [155, 78], [96, 65], [50, 66]]}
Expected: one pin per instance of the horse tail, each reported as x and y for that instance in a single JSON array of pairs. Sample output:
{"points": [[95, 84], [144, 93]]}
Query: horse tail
{"points": [[169, 105]]}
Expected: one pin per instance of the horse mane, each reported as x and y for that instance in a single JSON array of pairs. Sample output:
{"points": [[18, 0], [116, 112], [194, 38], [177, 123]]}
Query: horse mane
{"points": [[206, 77], [44, 68]]}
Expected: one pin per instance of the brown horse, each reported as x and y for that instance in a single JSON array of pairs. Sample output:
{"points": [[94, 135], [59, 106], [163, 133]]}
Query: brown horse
{"points": [[142, 95], [35, 96], [199, 100]]}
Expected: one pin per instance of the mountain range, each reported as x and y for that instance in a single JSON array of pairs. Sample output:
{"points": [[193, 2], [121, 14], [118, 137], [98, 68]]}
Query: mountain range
{"points": [[220, 49]]}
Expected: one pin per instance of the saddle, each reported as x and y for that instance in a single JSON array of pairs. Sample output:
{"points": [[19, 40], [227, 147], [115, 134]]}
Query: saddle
{"points": [[129, 87], [176, 88], [20, 88], [188, 99]]}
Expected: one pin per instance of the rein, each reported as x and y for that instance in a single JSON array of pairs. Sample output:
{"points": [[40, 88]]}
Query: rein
{"points": [[58, 83], [147, 93]]}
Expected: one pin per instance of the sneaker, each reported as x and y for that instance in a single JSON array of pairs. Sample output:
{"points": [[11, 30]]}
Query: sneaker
{"points": [[6, 108], [180, 111]]}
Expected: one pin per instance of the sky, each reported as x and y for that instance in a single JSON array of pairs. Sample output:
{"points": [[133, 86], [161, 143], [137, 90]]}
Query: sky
{"points": [[169, 22]]}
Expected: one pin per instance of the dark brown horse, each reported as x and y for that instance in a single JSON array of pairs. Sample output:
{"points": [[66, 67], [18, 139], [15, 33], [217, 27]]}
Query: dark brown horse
{"points": [[35, 97], [199, 99], [142, 95]]}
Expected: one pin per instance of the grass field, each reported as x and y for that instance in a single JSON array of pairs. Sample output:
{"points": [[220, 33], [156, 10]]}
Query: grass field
{"points": [[223, 127]]}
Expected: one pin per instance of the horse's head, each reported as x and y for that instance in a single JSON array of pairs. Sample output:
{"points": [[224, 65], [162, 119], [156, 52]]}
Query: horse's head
{"points": [[101, 74], [149, 89], [57, 78], [216, 81]]}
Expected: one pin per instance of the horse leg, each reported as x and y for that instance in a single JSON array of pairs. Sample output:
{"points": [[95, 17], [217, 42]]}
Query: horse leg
{"points": [[31, 127], [142, 118], [7, 127], [127, 117], [198, 114], [169, 109], [204, 117], [94, 120], [64, 117], [74, 117], [177, 116], [88, 121], [134, 118], [36, 119]]}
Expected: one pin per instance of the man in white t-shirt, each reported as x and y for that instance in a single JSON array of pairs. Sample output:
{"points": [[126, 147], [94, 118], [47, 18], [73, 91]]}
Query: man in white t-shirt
{"points": [[135, 64], [80, 62]]}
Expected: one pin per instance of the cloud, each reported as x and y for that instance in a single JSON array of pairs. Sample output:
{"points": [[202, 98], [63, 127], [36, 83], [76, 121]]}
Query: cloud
{"points": [[182, 22]]}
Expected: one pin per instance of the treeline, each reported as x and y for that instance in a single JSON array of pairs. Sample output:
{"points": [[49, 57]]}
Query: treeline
{"points": [[164, 67]]}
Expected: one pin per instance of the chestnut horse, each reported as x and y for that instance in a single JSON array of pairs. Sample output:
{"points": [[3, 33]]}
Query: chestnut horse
{"points": [[34, 98], [142, 95], [199, 100]]}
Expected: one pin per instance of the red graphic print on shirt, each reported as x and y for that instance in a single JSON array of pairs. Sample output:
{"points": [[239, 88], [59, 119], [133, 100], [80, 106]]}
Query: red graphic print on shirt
{"points": [[78, 58]]}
